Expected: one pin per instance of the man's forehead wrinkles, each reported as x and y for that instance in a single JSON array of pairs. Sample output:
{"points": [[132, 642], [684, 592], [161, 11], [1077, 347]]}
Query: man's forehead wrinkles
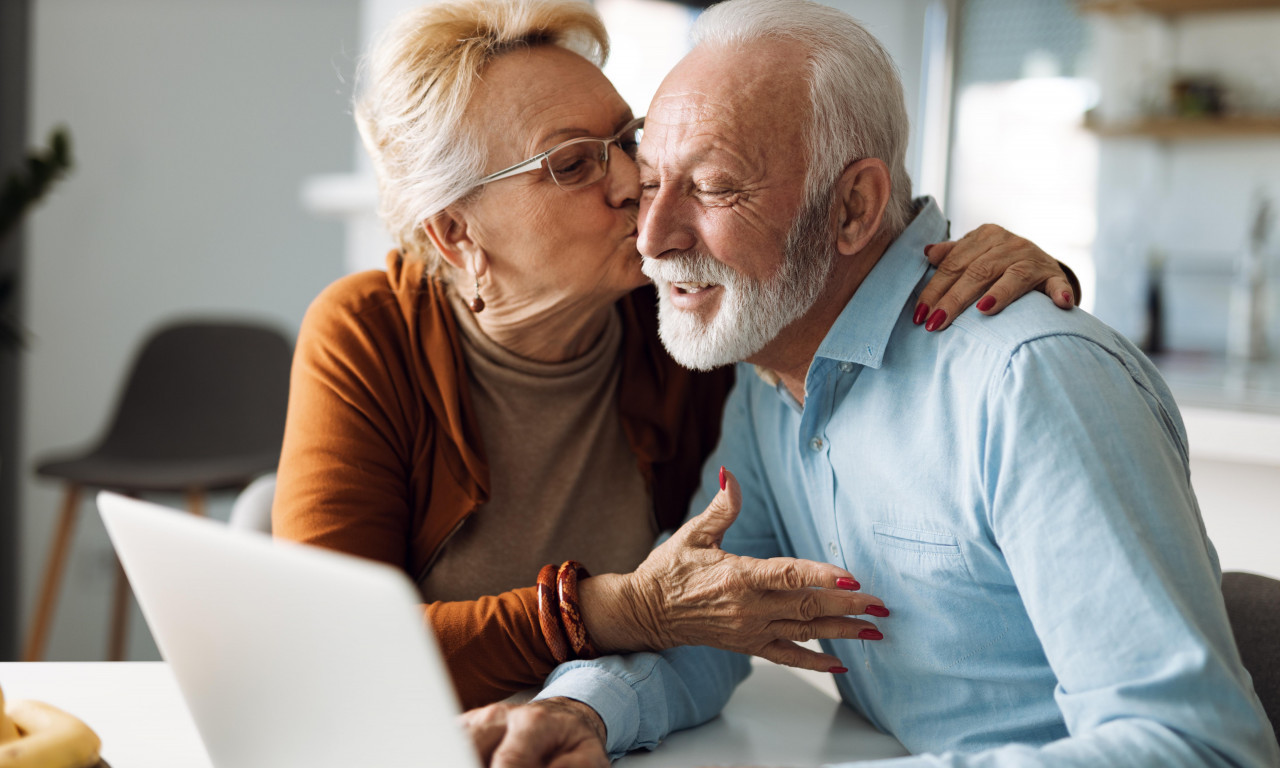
{"points": [[694, 143], [690, 129], [688, 108]]}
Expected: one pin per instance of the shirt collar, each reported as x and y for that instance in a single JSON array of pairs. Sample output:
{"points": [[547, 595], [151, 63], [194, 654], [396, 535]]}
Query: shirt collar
{"points": [[861, 332]]}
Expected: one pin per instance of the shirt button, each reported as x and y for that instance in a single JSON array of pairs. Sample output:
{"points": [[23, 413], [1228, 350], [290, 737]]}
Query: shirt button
{"points": [[846, 367], [816, 443], [835, 551]]}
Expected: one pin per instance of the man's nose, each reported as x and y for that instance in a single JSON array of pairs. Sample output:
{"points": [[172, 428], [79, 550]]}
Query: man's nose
{"points": [[662, 225]]}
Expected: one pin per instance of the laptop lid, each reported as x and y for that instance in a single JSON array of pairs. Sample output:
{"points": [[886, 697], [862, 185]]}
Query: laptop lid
{"points": [[288, 655]]}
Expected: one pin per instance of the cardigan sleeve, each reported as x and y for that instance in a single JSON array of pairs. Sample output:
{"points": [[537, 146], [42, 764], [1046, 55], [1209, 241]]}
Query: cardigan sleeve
{"points": [[356, 467]]}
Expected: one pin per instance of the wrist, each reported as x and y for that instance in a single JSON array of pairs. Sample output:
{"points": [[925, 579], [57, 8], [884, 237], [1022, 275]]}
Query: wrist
{"points": [[612, 613], [583, 712]]}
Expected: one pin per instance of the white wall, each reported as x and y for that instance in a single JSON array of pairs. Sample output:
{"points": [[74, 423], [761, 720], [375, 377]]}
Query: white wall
{"points": [[1238, 502], [194, 125], [1192, 200], [900, 28]]}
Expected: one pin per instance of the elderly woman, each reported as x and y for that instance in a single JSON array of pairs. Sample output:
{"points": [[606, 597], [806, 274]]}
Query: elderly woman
{"points": [[497, 401]]}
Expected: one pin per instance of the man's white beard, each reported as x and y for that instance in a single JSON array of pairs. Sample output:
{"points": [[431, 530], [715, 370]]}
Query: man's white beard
{"points": [[751, 313]]}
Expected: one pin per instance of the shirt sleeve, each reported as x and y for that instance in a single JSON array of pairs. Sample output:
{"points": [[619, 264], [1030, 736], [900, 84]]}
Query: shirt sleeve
{"points": [[1089, 499], [644, 697]]}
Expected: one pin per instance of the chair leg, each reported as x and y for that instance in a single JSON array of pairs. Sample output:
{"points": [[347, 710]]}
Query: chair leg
{"points": [[195, 502], [119, 616], [118, 632], [120, 604], [53, 575]]}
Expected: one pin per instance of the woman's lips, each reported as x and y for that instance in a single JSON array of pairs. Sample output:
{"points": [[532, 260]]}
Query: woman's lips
{"points": [[692, 296]]}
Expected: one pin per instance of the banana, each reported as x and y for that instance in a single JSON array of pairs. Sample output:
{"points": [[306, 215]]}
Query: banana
{"points": [[46, 737], [8, 731]]}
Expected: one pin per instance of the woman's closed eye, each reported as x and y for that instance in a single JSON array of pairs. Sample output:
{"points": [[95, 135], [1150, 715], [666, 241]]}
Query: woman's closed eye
{"points": [[575, 163], [568, 166]]}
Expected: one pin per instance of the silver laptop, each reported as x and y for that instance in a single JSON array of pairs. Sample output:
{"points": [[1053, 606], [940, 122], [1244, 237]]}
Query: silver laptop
{"points": [[288, 655]]}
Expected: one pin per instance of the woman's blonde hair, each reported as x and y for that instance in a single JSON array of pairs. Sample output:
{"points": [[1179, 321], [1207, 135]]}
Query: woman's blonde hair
{"points": [[419, 79]]}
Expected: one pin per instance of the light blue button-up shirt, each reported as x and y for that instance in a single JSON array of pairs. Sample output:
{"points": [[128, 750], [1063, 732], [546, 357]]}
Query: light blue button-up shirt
{"points": [[1016, 491]]}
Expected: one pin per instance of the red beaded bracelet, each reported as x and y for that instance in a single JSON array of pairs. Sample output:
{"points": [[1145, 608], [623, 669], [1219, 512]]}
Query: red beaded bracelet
{"points": [[549, 614], [571, 611]]}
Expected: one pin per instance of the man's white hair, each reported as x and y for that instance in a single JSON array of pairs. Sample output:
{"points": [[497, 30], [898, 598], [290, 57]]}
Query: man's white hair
{"points": [[858, 107]]}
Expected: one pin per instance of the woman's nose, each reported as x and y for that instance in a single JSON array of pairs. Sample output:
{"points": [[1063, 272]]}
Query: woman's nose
{"points": [[623, 178]]}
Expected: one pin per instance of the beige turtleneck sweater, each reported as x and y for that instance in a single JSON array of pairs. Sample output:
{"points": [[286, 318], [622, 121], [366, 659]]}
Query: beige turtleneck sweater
{"points": [[560, 465]]}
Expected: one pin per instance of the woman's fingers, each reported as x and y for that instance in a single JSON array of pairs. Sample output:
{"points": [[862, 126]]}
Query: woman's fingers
{"points": [[990, 266], [991, 277], [708, 528], [789, 654], [789, 573], [952, 258], [1019, 281], [936, 252], [827, 628], [1060, 290], [810, 604]]}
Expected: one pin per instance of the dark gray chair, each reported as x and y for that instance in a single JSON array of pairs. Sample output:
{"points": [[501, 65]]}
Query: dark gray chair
{"points": [[203, 410], [1253, 607]]}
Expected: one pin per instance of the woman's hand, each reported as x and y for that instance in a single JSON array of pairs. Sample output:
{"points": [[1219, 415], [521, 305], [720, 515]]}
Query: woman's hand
{"points": [[689, 591], [558, 732], [993, 266]]}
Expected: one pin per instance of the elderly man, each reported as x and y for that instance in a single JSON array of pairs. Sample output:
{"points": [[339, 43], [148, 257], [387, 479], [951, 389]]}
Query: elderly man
{"points": [[1015, 491]]}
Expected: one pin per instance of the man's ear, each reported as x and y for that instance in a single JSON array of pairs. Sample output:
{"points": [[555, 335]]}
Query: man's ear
{"points": [[451, 234], [862, 194]]}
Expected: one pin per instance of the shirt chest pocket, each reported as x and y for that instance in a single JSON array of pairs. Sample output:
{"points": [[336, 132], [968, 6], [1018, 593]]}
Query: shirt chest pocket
{"points": [[942, 617]]}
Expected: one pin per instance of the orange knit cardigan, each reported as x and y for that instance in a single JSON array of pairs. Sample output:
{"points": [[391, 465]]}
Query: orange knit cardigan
{"points": [[382, 456]]}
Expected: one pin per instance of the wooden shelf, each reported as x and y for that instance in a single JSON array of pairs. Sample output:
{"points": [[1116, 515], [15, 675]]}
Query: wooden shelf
{"points": [[1189, 128], [1175, 7]]}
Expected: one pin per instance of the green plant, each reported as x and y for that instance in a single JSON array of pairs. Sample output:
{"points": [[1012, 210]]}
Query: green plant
{"points": [[23, 188]]}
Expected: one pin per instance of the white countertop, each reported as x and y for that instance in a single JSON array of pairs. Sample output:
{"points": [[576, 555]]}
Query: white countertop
{"points": [[777, 717], [1231, 408]]}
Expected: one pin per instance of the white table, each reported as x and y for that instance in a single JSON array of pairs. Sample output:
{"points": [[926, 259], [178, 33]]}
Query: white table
{"points": [[775, 718]]}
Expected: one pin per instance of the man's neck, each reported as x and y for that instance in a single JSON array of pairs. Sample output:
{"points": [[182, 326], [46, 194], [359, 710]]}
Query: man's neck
{"points": [[792, 351]]}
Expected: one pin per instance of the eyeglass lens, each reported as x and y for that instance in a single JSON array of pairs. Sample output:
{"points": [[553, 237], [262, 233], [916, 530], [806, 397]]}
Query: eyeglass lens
{"points": [[586, 161]]}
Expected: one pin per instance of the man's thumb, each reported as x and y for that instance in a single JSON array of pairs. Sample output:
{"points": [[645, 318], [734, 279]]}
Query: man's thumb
{"points": [[708, 528]]}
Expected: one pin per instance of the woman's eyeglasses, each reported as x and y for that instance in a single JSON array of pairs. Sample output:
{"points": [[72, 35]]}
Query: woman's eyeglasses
{"points": [[577, 163]]}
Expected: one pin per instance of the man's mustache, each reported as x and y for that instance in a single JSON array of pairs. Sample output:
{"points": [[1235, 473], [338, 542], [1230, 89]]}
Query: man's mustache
{"points": [[687, 267]]}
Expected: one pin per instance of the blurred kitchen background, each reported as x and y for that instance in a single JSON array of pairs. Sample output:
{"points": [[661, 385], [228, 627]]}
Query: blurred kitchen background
{"points": [[216, 173]]}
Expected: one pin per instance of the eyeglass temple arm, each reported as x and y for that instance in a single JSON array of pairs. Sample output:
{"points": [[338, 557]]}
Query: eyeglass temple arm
{"points": [[515, 170]]}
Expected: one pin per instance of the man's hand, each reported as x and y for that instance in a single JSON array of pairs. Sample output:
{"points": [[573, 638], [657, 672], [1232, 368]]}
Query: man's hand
{"points": [[549, 733]]}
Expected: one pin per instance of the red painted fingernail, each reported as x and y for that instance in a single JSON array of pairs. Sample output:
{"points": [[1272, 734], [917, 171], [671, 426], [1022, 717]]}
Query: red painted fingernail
{"points": [[870, 634], [722, 478], [1067, 296], [838, 670], [987, 303], [922, 310], [850, 584], [936, 320], [928, 249], [878, 610]]}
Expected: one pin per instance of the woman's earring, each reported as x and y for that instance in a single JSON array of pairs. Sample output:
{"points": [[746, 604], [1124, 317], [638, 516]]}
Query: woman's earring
{"points": [[477, 304]]}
